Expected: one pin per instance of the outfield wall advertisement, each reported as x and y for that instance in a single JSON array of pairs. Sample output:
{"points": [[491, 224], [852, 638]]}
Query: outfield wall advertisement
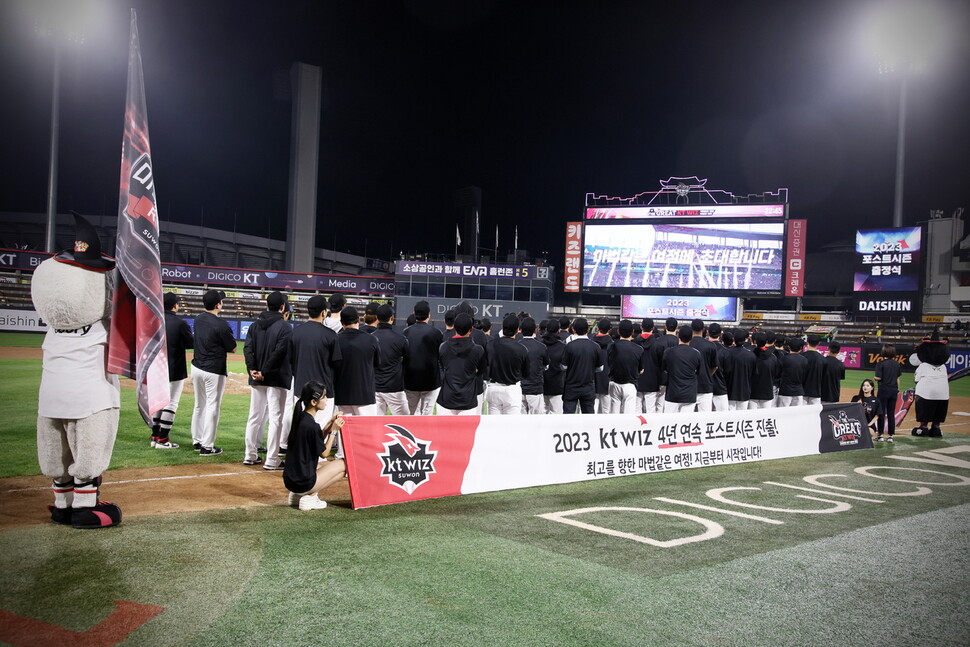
{"points": [[394, 459]]}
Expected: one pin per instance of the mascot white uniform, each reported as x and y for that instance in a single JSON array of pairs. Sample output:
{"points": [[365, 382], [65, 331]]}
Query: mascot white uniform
{"points": [[79, 401]]}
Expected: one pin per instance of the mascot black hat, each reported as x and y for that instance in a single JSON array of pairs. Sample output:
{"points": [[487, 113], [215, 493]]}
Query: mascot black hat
{"points": [[86, 252]]}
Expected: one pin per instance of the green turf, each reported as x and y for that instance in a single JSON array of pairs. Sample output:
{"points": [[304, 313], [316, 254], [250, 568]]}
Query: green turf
{"points": [[18, 408], [484, 570]]}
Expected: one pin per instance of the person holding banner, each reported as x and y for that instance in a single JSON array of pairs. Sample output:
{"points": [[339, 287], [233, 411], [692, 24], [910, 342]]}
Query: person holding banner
{"points": [[305, 475], [870, 403]]}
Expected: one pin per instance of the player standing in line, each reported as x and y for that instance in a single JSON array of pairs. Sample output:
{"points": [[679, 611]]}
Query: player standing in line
{"points": [[422, 378], [178, 337], [370, 318], [720, 400], [581, 360], [765, 374], [705, 377], [604, 340], [682, 364], [833, 372], [213, 340], [267, 361], [360, 356], [623, 358], [553, 377], [508, 362], [314, 354], [740, 364], [337, 303], [389, 379], [460, 361], [813, 372], [532, 381], [793, 368]]}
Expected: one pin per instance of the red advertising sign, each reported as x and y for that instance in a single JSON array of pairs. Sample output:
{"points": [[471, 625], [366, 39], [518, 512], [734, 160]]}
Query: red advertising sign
{"points": [[795, 259], [574, 257]]}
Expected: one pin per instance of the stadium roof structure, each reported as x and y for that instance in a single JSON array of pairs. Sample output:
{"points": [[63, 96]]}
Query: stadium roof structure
{"points": [[688, 190]]}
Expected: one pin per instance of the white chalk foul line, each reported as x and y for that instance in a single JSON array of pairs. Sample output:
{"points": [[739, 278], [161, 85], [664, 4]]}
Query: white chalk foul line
{"points": [[160, 478]]}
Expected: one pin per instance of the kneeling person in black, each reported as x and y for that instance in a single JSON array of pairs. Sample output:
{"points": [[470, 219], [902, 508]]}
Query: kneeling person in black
{"points": [[304, 475]]}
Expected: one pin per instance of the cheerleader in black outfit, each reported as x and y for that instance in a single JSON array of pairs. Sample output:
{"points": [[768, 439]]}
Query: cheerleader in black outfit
{"points": [[871, 404], [305, 474]]}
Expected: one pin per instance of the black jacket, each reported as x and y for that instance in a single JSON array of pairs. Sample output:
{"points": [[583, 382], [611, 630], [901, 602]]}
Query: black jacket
{"points": [[508, 361], [394, 349], [739, 365], [652, 376], [765, 376], [705, 377], [793, 367], [532, 381], [604, 341], [682, 363], [267, 350], [213, 339], [421, 372], [813, 374], [623, 359], [553, 377], [581, 360], [314, 354], [178, 338], [360, 355], [461, 360], [833, 372]]}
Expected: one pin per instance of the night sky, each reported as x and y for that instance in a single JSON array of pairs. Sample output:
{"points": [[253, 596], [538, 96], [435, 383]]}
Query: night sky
{"points": [[537, 103]]}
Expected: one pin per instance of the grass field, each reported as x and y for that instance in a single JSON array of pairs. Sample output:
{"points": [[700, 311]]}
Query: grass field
{"points": [[888, 568], [485, 570]]}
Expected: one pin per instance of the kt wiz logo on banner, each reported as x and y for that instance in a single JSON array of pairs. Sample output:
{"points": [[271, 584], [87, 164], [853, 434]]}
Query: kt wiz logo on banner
{"points": [[407, 461]]}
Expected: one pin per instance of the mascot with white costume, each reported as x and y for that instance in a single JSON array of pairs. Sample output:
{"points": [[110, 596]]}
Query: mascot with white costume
{"points": [[79, 401], [932, 385]]}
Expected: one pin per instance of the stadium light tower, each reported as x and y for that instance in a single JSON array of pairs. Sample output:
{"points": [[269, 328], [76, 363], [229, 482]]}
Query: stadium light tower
{"points": [[903, 37]]}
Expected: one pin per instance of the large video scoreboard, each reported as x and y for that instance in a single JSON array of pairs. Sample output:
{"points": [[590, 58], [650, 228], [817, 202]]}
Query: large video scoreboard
{"points": [[719, 250]]}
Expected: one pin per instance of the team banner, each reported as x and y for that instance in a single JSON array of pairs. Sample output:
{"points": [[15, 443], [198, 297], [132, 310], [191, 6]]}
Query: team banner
{"points": [[136, 344], [394, 459]]}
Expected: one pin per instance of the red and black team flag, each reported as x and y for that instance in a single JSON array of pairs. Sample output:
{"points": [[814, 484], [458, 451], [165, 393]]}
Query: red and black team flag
{"points": [[136, 345]]}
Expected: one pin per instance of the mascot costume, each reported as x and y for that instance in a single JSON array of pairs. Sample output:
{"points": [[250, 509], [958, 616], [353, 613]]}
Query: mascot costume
{"points": [[79, 401], [932, 385]]}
